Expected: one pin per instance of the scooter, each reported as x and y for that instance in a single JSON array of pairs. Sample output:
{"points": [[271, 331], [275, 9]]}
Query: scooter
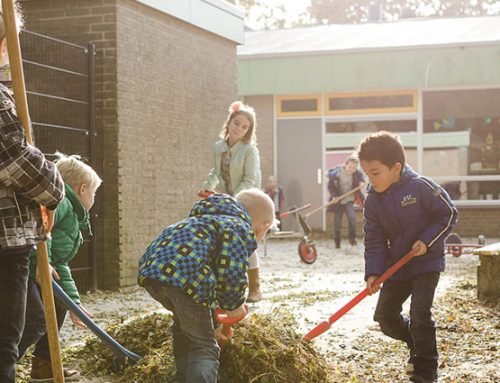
{"points": [[307, 247]]}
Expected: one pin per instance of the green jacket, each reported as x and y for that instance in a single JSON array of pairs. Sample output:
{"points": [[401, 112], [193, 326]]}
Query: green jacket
{"points": [[244, 168], [70, 218]]}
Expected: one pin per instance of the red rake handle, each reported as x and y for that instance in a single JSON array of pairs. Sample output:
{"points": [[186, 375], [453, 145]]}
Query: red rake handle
{"points": [[324, 326]]}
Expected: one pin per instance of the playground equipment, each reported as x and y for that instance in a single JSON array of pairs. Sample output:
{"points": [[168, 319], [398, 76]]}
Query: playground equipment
{"points": [[307, 247]]}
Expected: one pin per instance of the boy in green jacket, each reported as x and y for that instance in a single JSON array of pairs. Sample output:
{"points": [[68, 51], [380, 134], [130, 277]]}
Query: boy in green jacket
{"points": [[81, 183]]}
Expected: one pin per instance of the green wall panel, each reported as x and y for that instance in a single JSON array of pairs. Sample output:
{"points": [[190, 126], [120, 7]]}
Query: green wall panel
{"points": [[376, 70]]}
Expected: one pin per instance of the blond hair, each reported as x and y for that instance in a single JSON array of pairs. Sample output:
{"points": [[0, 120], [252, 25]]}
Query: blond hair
{"points": [[19, 19], [238, 108], [75, 172], [258, 204]]}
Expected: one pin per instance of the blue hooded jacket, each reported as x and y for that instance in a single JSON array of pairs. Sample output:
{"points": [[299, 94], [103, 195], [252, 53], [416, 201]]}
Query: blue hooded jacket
{"points": [[415, 208], [206, 254]]}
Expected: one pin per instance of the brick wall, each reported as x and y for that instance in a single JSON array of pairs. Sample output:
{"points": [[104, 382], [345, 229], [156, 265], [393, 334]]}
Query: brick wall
{"points": [[162, 92], [175, 83], [478, 221]]}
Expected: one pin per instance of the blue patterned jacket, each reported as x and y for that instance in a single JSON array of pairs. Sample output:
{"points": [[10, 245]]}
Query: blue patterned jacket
{"points": [[205, 254]]}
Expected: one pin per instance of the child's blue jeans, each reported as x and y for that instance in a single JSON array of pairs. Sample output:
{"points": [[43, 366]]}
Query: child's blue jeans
{"points": [[348, 208], [419, 330], [196, 350], [13, 282]]}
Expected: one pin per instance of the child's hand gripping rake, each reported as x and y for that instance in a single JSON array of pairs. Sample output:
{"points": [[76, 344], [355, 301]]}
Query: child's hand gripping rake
{"points": [[122, 356], [324, 326], [227, 321]]}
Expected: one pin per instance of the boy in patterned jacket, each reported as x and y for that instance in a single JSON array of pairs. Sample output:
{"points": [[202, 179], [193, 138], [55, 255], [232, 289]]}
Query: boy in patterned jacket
{"points": [[201, 262], [404, 211]]}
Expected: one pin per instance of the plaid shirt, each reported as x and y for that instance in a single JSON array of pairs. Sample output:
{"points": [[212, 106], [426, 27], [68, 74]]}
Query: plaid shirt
{"points": [[27, 179]]}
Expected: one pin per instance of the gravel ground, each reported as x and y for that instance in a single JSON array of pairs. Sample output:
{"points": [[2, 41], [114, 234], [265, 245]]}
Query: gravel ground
{"points": [[312, 293]]}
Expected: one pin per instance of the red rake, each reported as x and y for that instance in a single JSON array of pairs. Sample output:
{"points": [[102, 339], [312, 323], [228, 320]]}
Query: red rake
{"points": [[324, 326], [227, 321]]}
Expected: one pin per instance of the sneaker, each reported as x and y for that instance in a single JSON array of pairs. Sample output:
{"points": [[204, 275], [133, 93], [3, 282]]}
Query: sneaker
{"points": [[353, 242], [41, 371]]}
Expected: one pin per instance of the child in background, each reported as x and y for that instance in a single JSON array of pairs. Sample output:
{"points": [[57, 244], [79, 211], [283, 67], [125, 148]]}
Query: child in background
{"points": [[405, 211], [27, 180], [275, 191], [199, 263], [342, 179], [71, 216], [236, 168]]}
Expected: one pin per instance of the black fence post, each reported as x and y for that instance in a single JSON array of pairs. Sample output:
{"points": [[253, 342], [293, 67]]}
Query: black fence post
{"points": [[93, 162]]}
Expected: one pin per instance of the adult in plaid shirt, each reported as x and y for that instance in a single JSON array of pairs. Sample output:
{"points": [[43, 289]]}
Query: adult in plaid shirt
{"points": [[27, 179]]}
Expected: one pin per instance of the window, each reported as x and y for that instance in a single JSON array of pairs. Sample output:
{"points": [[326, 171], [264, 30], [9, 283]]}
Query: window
{"points": [[470, 119], [371, 102], [304, 105]]}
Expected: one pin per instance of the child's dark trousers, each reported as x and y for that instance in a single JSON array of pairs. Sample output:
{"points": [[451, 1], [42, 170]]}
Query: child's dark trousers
{"points": [[13, 285], [419, 330], [196, 351], [35, 328]]}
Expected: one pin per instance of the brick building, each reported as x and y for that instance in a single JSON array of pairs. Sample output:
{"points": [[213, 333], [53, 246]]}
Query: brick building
{"points": [[165, 75]]}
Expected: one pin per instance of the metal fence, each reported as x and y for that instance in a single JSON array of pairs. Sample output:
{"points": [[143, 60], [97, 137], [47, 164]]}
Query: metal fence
{"points": [[59, 79]]}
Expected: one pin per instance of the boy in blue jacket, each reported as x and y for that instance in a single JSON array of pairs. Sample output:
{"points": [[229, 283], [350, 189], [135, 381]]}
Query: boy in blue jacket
{"points": [[404, 210], [201, 262]]}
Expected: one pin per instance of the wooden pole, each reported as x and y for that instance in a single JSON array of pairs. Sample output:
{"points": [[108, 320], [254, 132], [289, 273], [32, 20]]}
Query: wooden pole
{"points": [[16, 67], [333, 201]]}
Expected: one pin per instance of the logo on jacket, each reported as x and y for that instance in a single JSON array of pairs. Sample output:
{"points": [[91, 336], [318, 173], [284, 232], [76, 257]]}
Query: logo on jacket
{"points": [[408, 200]]}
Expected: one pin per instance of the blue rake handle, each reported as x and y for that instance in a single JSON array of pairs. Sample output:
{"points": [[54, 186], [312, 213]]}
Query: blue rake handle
{"points": [[122, 356]]}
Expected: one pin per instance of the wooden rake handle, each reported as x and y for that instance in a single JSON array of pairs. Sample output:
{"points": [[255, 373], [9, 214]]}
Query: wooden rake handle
{"points": [[333, 201]]}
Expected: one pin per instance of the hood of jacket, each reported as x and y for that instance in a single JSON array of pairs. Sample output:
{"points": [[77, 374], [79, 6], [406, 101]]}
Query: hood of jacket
{"points": [[220, 204]]}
